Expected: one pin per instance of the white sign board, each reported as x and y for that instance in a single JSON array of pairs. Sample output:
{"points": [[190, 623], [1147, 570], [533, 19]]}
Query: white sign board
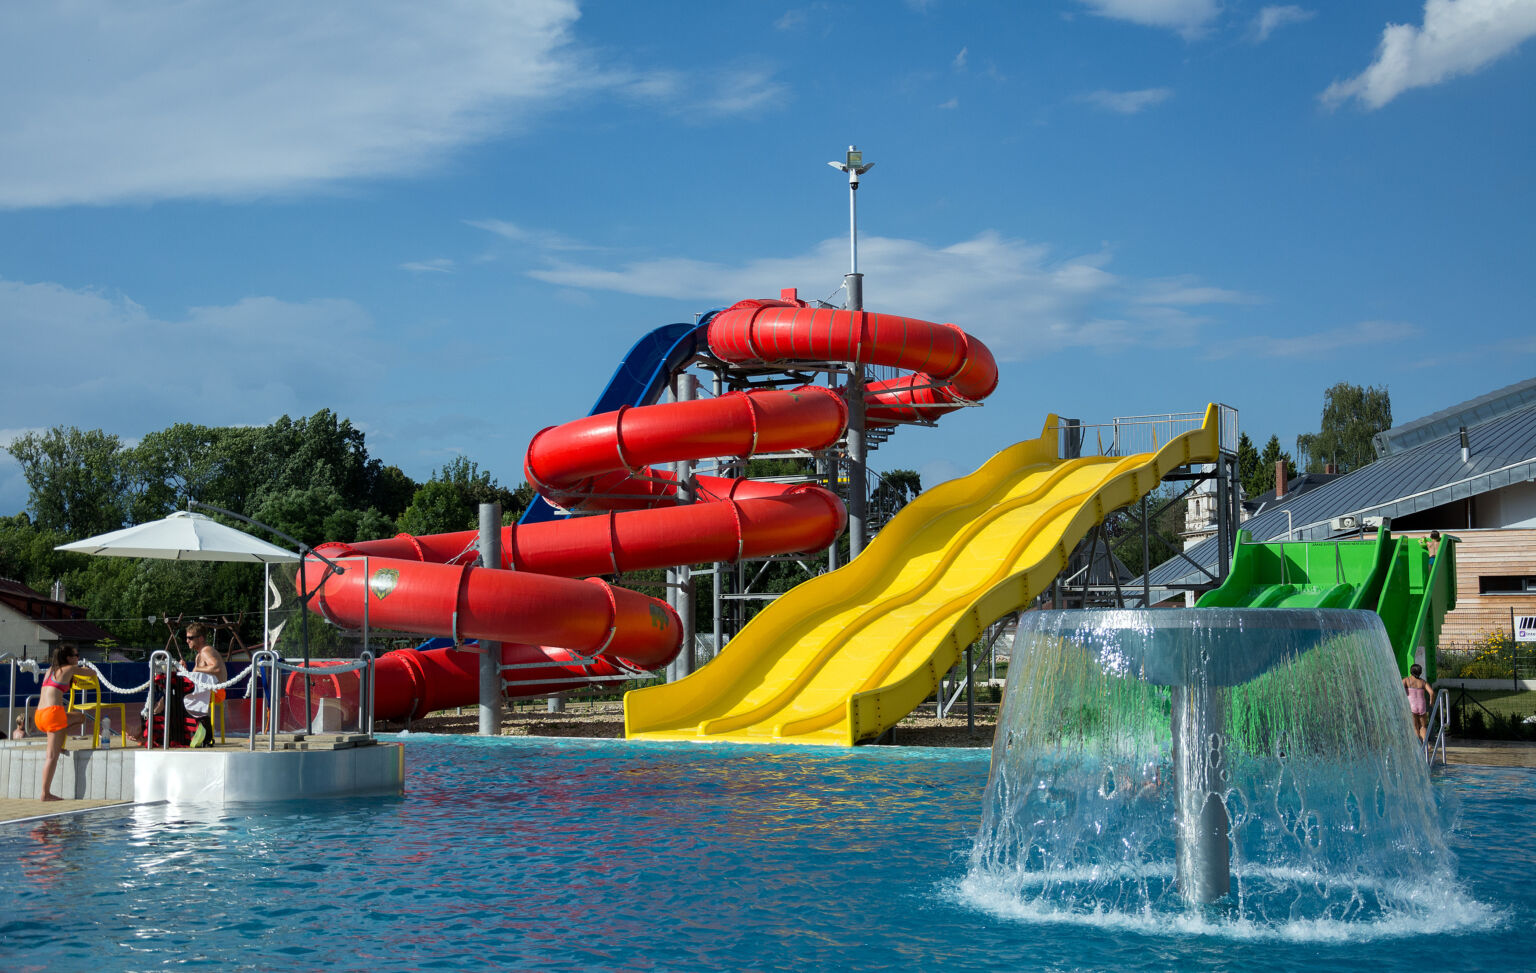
{"points": [[1525, 628]]}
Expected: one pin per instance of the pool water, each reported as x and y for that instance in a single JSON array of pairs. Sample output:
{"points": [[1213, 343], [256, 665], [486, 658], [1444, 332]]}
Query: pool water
{"points": [[602, 855]]}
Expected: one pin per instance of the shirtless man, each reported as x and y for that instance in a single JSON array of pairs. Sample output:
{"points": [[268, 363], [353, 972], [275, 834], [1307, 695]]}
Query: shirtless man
{"points": [[208, 658], [208, 669]]}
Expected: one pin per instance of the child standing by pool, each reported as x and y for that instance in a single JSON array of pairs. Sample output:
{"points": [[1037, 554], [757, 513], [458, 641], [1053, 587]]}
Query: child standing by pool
{"points": [[1419, 694], [51, 717]]}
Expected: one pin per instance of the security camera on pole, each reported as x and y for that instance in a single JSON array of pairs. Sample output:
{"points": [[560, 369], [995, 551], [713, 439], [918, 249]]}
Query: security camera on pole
{"points": [[853, 289]]}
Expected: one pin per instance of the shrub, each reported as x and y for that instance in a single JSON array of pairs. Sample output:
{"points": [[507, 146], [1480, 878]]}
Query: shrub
{"points": [[1493, 657]]}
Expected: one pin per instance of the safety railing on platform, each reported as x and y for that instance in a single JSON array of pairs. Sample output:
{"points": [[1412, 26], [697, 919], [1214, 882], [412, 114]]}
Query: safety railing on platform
{"points": [[1129, 435], [267, 662]]}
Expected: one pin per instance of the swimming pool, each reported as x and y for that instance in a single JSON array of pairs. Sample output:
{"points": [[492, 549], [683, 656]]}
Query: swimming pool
{"points": [[519, 853]]}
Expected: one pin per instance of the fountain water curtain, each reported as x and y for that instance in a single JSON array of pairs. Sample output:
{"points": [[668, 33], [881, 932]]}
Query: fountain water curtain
{"points": [[1230, 765]]}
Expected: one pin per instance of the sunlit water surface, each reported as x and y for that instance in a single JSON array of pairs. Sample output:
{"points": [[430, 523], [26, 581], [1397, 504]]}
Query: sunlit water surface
{"points": [[602, 855]]}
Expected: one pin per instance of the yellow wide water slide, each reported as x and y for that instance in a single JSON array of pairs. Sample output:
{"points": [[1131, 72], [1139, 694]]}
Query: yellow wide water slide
{"points": [[844, 656]]}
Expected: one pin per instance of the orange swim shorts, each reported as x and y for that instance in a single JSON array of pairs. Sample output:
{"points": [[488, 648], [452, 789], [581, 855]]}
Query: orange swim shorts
{"points": [[50, 719]]}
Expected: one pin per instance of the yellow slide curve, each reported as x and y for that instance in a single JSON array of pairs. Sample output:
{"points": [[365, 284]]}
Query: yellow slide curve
{"points": [[843, 657]]}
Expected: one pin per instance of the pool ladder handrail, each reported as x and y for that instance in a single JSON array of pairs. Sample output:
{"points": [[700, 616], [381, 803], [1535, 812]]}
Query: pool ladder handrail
{"points": [[273, 663], [1434, 727]]}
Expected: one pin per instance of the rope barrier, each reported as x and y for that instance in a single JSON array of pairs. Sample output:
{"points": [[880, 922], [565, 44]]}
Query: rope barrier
{"points": [[323, 671]]}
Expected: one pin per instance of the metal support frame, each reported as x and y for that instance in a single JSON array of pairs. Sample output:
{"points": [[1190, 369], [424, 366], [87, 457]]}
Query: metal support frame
{"points": [[490, 652]]}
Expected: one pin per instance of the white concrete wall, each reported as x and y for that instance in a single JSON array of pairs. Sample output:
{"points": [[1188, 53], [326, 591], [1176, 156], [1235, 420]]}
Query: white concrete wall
{"points": [[18, 632], [1511, 506]]}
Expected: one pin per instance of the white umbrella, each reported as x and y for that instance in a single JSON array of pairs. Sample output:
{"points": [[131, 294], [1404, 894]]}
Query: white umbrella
{"points": [[183, 536]]}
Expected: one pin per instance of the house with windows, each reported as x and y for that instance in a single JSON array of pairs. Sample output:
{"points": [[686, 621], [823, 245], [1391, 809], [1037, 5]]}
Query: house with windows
{"points": [[32, 623], [1468, 470]]}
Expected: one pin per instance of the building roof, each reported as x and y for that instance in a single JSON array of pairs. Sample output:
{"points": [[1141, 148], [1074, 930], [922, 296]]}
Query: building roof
{"points": [[67, 621], [1496, 403], [1407, 480], [1301, 483]]}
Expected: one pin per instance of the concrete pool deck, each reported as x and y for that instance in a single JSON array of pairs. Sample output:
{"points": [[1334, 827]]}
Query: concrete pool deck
{"points": [[301, 767]]}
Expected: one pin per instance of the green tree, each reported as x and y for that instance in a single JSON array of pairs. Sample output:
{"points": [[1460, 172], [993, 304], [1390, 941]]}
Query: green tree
{"points": [[895, 490], [1249, 469], [451, 499], [1351, 416], [1123, 529], [77, 480], [1272, 455]]}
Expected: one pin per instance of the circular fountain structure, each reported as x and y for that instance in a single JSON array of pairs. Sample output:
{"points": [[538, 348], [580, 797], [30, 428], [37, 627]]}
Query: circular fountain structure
{"points": [[1237, 767]]}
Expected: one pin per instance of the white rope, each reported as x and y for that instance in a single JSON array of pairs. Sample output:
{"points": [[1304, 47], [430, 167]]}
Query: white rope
{"points": [[106, 683], [182, 670], [325, 670]]}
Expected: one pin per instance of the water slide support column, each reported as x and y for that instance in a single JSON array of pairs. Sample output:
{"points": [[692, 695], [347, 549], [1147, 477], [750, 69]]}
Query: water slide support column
{"points": [[685, 390], [490, 652], [853, 286], [718, 572]]}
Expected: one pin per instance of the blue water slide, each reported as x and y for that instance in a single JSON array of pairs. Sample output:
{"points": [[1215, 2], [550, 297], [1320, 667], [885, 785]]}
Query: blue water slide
{"points": [[642, 376]]}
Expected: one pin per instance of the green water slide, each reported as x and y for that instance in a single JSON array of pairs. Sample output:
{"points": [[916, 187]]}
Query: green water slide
{"points": [[1391, 576], [1415, 595]]}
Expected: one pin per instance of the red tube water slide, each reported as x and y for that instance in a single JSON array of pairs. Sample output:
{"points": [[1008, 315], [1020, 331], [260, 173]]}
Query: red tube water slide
{"points": [[560, 631]]}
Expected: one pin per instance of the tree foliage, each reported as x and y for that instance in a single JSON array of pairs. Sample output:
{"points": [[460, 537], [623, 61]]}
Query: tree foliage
{"points": [[309, 477], [77, 479], [451, 499], [1351, 416], [1256, 470]]}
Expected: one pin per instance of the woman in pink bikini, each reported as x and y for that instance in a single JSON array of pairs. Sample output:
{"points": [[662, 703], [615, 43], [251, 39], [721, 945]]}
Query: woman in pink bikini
{"points": [[51, 717], [1419, 695]]}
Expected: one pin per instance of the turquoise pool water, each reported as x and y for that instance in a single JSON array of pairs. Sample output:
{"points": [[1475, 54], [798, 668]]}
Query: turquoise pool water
{"points": [[598, 855]]}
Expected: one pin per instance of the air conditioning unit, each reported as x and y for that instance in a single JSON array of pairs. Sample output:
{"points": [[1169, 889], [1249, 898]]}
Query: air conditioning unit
{"points": [[1347, 522]]}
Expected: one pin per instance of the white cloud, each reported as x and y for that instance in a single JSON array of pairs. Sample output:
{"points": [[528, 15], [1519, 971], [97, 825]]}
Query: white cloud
{"points": [[960, 58], [538, 239], [791, 20], [103, 355], [1317, 344], [1188, 17], [1271, 19], [743, 91], [1020, 297], [1128, 102], [437, 265], [1458, 37], [109, 102], [167, 99], [950, 105]]}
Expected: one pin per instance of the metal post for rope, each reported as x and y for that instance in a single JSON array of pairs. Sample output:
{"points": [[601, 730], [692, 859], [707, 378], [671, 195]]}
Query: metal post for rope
{"points": [[258, 658], [162, 657], [10, 705], [365, 694]]}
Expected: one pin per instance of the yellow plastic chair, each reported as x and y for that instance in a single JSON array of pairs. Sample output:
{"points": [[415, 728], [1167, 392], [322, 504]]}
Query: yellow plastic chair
{"points": [[216, 710], [81, 689]]}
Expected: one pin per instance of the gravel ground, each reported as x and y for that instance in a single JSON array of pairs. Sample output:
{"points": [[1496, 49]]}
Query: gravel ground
{"points": [[606, 720]]}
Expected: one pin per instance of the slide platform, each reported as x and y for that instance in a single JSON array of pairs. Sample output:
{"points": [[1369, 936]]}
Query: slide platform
{"points": [[843, 657], [1392, 576]]}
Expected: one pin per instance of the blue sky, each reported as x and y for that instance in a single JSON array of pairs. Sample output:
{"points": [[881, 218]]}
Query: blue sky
{"points": [[447, 221]]}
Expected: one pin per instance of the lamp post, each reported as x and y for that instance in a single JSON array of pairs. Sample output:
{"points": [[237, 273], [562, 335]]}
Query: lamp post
{"points": [[853, 288]]}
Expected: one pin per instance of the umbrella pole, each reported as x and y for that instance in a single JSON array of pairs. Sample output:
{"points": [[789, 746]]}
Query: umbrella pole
{"points": [[266, 640], [304, 638]]}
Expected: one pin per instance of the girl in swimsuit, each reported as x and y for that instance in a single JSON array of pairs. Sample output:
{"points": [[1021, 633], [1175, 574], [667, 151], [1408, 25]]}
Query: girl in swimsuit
{"points": [[51, 717], [1419, 694]]}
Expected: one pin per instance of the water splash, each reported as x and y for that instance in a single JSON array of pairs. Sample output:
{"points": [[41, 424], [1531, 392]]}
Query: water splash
{"points": [[1247, 772]]}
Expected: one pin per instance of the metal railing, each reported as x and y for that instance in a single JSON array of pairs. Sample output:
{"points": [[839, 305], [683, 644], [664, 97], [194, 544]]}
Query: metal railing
{"points": [[1435, 723], [1129, 435], [269, 662]]}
